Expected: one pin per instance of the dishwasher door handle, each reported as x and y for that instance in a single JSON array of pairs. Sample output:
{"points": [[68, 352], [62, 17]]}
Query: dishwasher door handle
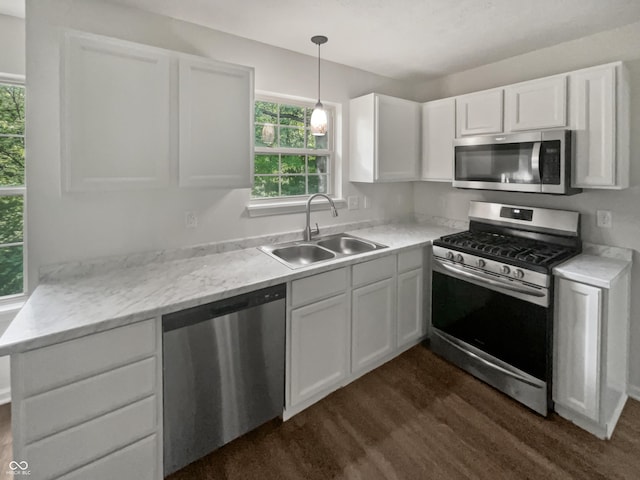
{"points": [[227, 309]]}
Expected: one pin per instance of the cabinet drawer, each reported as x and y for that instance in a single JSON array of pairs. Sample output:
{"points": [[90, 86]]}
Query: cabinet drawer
{"points": [[83, 357], [87, 399], [138, 461], [410, 260], [323, 285], [373, 270], [89, 441]]}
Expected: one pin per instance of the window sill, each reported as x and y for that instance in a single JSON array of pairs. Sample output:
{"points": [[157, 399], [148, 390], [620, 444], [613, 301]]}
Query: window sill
{"points": [[283, 207]]}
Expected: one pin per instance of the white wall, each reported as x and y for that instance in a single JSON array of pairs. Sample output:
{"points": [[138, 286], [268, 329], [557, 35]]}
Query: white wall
{"points": [[619, 44], [65, 227]]}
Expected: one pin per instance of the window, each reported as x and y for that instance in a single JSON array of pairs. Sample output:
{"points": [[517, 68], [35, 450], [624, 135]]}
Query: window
{"points": [[12, 189], [289, 160]]}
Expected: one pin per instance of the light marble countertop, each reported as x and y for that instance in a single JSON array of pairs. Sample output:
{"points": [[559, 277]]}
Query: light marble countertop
{"points": [[593, 270], [70, 308]]}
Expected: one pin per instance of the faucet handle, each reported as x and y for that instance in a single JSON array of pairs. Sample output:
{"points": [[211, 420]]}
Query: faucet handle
{"points": [[317, 230]]}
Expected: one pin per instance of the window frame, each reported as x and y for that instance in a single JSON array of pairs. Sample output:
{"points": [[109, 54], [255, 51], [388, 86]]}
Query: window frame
{"points": [[264, 204], [16, 299]]}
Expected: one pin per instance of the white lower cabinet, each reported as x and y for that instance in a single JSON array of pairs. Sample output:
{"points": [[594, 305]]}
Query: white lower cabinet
{"points": [[591, 328], [81, 407], [373, 324], [410, 307], [319, 347]]}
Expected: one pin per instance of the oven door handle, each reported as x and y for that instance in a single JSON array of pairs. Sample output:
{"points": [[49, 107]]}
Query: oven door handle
{"points": [[453, 343], [484, 278]]}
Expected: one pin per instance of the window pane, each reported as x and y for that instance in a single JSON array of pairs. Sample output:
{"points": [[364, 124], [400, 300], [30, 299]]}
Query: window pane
{"points": [[290, 115], [11, 161], [318, 184], [11, 109], [266, 135], [293, 185], [266, 164], [11, 219], [291, 137], [11, 281], [318, 164], [293, 164], [265, 187], [266, 112]]}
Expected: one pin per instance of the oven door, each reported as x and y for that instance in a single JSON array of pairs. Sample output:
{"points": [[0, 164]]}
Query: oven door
{"points": [[499, 333], [502, 162]]}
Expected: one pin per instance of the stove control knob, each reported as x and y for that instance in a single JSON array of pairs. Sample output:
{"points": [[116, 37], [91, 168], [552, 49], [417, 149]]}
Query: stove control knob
{"points": [[504, 269], [450, 255], [481, 263], [518, 273], [459, 258]]}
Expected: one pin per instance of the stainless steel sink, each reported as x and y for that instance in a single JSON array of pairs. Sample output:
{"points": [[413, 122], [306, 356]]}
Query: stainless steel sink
{"points": [[300, 254], [303, 254], [347, 245]]}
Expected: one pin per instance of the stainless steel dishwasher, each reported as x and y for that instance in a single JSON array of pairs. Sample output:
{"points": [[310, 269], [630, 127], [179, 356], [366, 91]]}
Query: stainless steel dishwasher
{"points": [[223, 372]]}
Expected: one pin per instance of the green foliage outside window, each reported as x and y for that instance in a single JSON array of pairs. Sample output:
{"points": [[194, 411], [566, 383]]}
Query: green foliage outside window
{"points": [[289, 160], [11, 175]]}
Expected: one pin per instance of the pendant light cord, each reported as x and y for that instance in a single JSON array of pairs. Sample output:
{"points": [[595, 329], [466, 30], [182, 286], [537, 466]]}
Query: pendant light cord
{"points": [[318, 72]]}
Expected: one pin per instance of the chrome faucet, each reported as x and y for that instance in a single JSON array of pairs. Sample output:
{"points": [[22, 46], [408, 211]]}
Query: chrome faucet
{"points": [[308, 233]]}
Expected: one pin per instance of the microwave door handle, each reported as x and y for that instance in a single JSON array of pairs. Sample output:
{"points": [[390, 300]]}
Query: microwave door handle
{"points": [[535, 162]]}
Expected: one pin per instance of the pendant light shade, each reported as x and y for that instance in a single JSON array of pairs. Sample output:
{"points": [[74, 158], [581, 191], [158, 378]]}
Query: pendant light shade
{"points": [[318, 123]]}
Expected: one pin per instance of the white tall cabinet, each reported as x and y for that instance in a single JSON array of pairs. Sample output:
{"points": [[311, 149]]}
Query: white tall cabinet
{"points": [[591, 335], [384, 139]]}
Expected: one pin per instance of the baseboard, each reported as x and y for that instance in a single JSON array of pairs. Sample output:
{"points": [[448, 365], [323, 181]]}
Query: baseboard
{"points": [[634, 392], [5, 395]]}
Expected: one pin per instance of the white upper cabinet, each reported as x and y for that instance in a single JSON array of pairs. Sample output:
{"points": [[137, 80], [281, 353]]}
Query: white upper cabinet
{"points": [[438, 133], [216, 124], [599, 118], [115, 115], [384, 139], [479, 113], [119, 124], [537, 104]]}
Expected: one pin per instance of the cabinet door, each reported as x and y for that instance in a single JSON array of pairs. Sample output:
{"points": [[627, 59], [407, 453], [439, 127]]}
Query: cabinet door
{"points": [[115, 115], [536, 104], [319, 347], [577, 348], [409, 310], [592, 118], [374, 321], [438, 132], [216, 124], [479, 113], [398, 139]]}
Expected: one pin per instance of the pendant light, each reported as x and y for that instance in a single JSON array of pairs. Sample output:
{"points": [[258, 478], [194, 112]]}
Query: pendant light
{"points": [[318, 121]]}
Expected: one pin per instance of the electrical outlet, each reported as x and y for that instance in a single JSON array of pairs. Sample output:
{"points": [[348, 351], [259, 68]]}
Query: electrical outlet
{"points": [[190, 220], [367, 201], [353, 202], [604, 218]]}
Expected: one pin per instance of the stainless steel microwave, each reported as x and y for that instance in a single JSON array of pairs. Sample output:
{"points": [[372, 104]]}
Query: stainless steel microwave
{"points": [[535, 162]]}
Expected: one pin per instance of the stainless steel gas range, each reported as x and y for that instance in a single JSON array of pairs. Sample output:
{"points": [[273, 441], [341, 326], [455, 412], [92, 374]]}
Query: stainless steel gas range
{"points": [[492, 296]]}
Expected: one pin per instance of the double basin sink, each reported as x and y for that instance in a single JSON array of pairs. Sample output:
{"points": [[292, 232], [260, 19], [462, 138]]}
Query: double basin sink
{"points": [[301, 253]]}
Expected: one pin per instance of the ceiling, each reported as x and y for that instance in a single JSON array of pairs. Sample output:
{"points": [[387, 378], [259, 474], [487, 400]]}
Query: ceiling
{"points": [[403, 39]]}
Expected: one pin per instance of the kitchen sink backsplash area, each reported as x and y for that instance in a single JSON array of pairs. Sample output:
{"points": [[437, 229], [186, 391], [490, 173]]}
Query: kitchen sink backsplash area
{"points": [[52, 273]]}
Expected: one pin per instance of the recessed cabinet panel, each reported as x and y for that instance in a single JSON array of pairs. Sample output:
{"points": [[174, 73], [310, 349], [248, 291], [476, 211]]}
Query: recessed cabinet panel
{"points": [[320, 342], [438, 133], [577, 335], [537, 104], [409, 311], [374, 323], [115, 115], [479, 113], [216, 124], [593, 115]]}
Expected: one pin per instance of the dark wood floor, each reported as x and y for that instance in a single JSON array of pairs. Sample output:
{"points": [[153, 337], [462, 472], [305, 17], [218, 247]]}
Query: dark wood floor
{"points": [[417, 417]]}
